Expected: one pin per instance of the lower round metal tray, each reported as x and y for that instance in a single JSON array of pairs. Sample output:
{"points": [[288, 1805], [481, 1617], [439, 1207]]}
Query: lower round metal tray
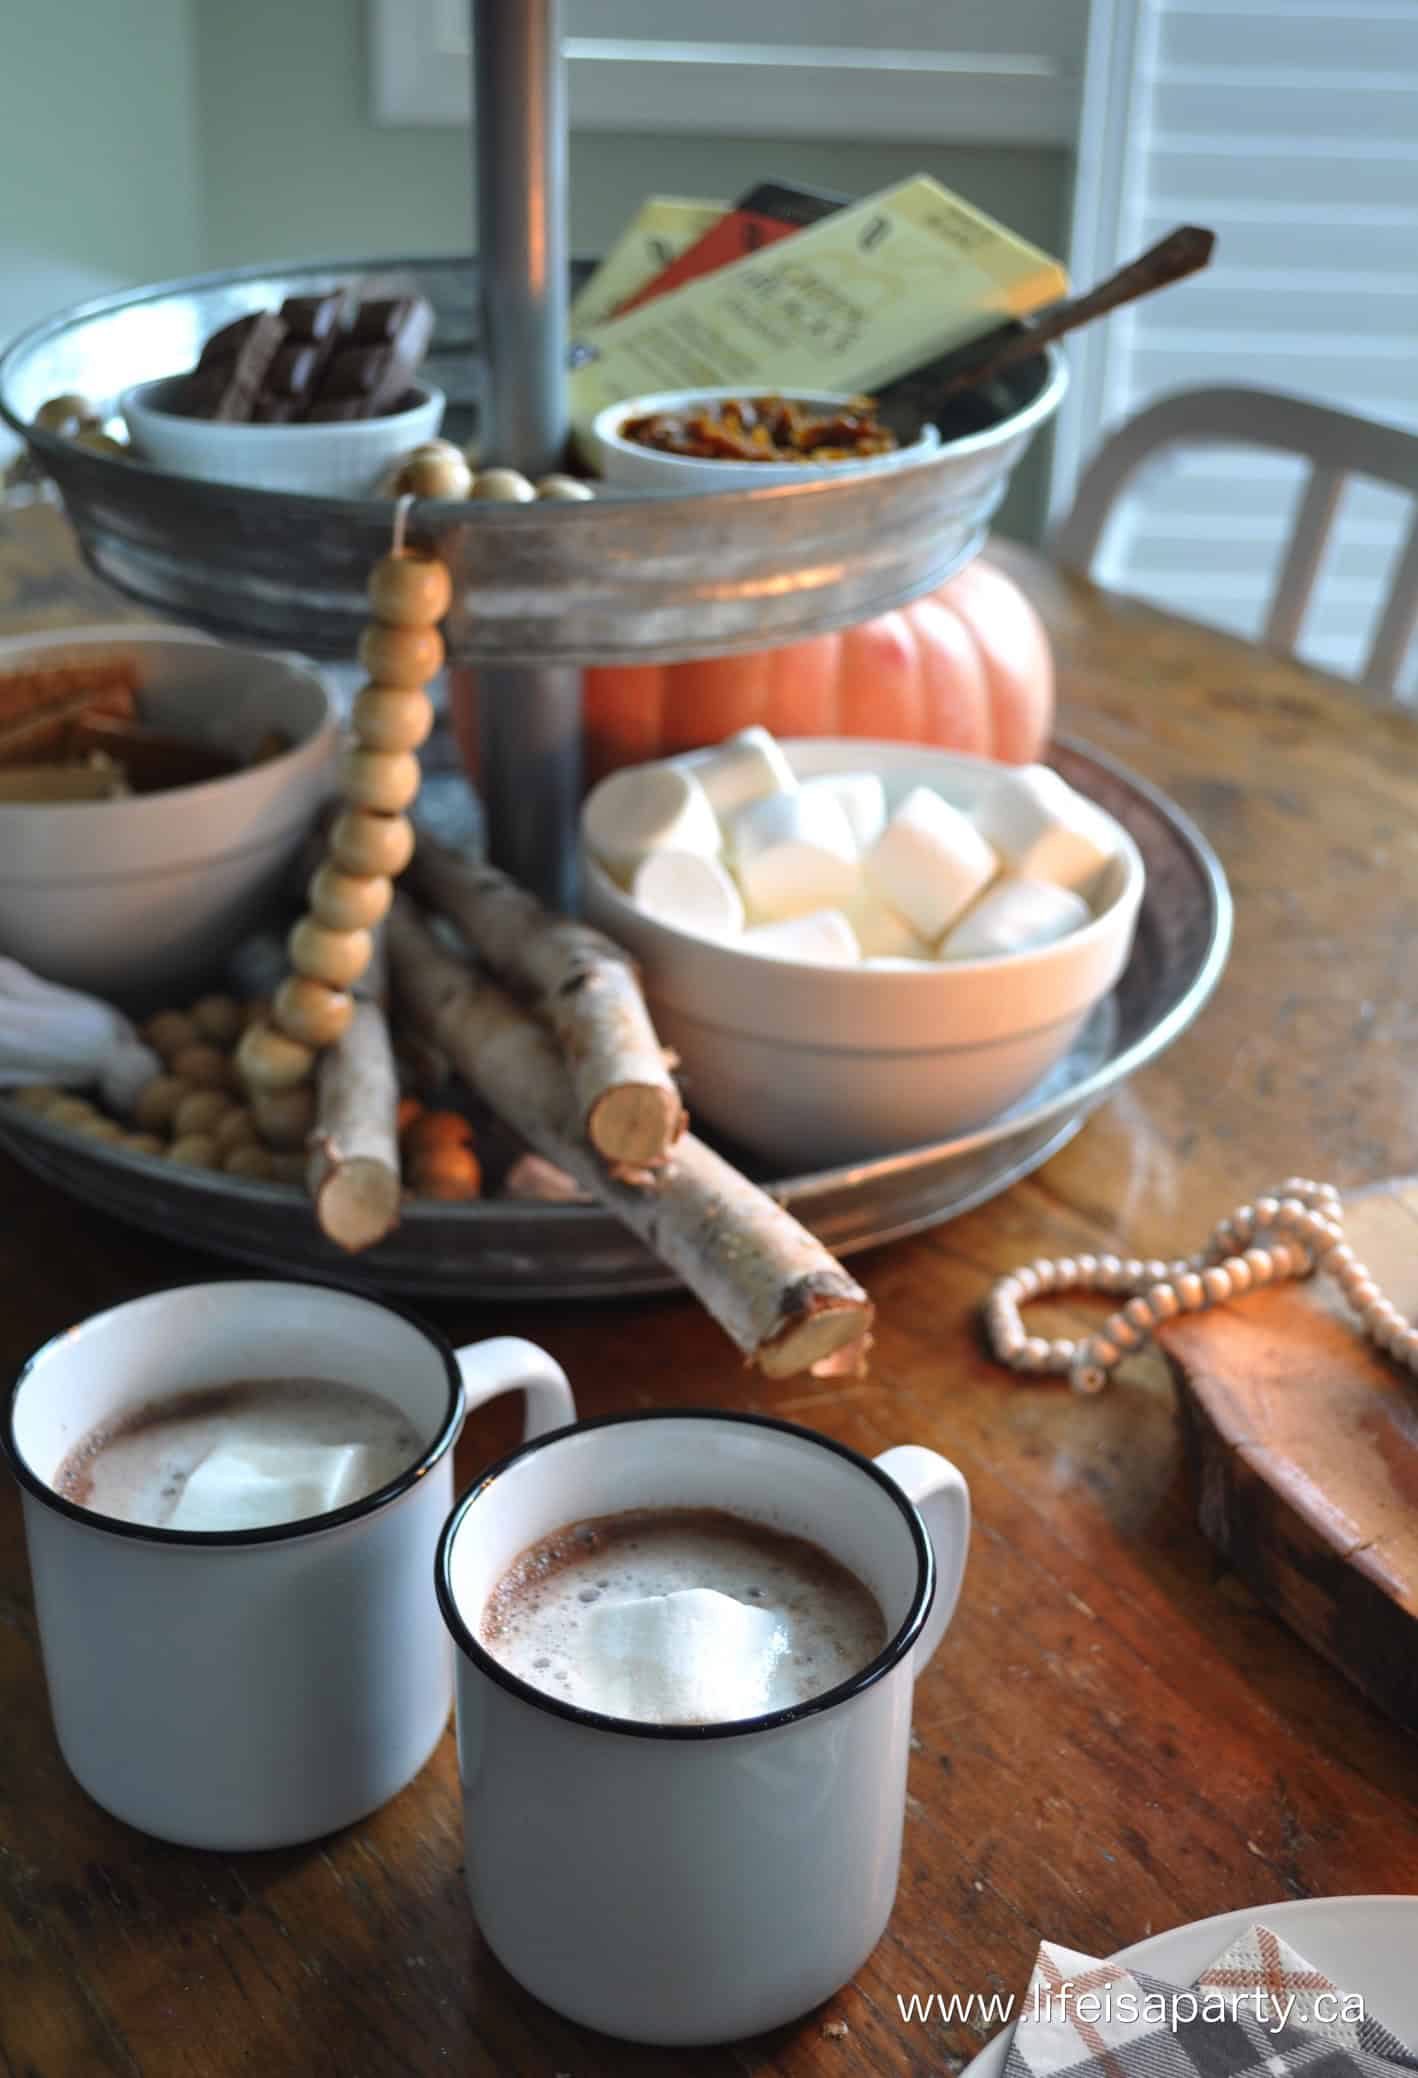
{"points": [[501, 1248]]}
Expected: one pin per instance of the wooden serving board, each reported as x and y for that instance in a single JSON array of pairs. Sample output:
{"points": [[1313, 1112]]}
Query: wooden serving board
{"points": [[1304, 1442]]}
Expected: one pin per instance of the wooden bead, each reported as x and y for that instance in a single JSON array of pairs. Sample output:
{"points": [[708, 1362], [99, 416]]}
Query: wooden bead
{"points": [[284, 1117], [400, 656], [143, 1143], [236, 1128], [311, 1011], [1217, 1285], [1139, 1312], [97, 1127], [386, 718], [433, 476], [249, 1160], [410, 589], [337, 957], [362, 842], [205, 1067], [1191, 1291], [563, 490], [169, 1032], [70, 1112], [66, 413], [101, 443], [502, 487], [195, 1151], [349, 901], [156, 1104], [219, 1019], [273, 1060], [200, 1111], [386, 780]]}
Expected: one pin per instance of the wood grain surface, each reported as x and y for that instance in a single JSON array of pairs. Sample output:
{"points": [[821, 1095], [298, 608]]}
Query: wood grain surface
{"points": [[1116, 1737]]}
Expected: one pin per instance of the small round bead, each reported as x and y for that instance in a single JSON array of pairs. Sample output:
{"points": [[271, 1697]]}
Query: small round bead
{"points": [[1139, 1312], [284, 1117], [196, 1151], [1261, 1264], [1109, 1270], [1035, 1353], [311, 1012], [349, 901], [1099, 1350], [1216, 1283], [1087, 1378], [386, 780], [169, 1032], [250, 1160], [143, 1143], [272, 1060], [1238, 1270], [1361, 1291], [1288, 1261], [410, 589], [205, 1067], [157, 1101], [434, 476], [557, 489], [362, 842], [400, 656], [1027, 1282], [1297, 1187], [1265, 1211], [386, 718], [1064, 1351], [1065, 1273], [1191, 1291], [236, 1128], [1132, 1269], [502, 487], [1340, 1260], [219, 1020], [336, 957], [100, 1128], [66, 413], [1154, 1270], [199, 1112], [1123, 1333], [1086, 1267], [1163, 1302]]}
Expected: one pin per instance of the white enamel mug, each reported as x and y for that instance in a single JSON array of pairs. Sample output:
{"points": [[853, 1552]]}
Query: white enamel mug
{"points": [[258, 1688], [682, 1885]]}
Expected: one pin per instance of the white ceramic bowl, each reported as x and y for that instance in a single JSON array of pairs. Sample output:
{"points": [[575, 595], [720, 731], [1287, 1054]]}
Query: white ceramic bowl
{"points": [[810, 1066], [626, 462], [328, 459], [136, 899]]}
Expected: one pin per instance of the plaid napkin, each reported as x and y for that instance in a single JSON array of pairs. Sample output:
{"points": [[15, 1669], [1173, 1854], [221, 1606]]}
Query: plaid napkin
{"points": [[1259, 2011]]}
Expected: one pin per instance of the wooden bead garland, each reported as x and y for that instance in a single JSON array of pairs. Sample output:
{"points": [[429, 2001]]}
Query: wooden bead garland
{"points": [[372, 841], [1301, 1227]]}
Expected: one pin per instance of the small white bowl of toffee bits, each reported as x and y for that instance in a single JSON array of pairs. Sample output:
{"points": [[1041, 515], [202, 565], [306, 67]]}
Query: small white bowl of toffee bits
{"points": [[734, 439]]}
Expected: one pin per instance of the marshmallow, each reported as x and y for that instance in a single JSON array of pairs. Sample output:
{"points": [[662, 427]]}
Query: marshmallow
{"points": [[824, 939], [1016, 915], [694, 1656], [1043, 828], [689, 891], [863, 797], [794, 853], [929, 863], [250, 1486], [742, 768], [648, 808], [882, 934]]}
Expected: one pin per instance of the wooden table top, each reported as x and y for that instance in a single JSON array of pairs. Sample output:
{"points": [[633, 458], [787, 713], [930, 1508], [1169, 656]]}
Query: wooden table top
{"points": [[1115, 1738]]}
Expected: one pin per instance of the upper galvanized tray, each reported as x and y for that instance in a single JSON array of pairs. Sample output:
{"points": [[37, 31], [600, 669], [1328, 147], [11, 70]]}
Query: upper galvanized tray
{"points": [[630, 577], [503, 1249]]}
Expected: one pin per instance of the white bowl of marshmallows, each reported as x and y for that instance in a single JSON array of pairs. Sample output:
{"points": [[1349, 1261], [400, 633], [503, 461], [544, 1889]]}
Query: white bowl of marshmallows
{"points": [[859, 947]]}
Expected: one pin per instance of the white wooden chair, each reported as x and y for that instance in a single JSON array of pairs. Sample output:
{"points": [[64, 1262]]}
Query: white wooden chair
{"points": [[1337, 444]]}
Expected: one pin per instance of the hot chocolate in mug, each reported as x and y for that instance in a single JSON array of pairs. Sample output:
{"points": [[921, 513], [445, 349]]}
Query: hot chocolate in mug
{"points": [[251, 1688], [692, 1883]]}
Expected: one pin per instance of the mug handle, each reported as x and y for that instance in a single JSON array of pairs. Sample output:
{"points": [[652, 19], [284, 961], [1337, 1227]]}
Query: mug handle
{"points": [[508, 1364], [940, 1492]]}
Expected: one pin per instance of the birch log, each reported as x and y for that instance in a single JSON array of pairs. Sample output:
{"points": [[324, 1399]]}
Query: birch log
{"points": [[585, 986], [768, 1282], [353, 1168]]}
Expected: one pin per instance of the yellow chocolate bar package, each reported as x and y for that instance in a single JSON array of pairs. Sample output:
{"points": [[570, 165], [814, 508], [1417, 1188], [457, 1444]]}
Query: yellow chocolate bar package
{"points": [[660, 231], [848, 304]]}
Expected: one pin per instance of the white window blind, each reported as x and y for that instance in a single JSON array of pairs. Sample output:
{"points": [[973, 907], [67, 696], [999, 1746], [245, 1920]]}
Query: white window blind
{"points": [[1291, 127], [972, 71]]}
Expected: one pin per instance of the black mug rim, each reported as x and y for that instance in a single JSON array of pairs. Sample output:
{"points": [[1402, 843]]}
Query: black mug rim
{"points": [[892, 1653], [274, 1533]]}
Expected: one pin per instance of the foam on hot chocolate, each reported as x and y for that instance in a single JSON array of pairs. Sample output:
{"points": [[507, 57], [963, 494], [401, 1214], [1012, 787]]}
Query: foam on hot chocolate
{"points": [[680, 1616], [246, 1455]]}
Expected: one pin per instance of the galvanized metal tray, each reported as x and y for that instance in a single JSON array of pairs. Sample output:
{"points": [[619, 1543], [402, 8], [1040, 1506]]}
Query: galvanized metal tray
{"points": [[503, 1249], [627, 578]]}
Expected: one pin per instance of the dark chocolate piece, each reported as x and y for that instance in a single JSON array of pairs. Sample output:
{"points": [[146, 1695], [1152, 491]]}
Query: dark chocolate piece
{"points": [[233, 368], [373, 367]]}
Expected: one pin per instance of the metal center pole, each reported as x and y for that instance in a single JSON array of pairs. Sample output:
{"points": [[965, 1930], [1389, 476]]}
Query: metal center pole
{"points": [[529, 715]]}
